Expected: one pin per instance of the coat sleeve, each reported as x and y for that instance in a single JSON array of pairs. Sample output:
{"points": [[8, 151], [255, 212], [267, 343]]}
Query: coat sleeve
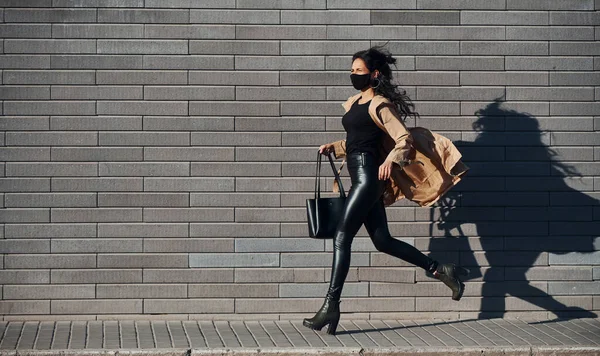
{"points": [[398, 131], [339, 148]]}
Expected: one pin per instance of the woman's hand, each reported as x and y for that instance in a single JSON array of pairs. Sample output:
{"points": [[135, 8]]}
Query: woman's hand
{"points": [[326, 148], [385, 170]]}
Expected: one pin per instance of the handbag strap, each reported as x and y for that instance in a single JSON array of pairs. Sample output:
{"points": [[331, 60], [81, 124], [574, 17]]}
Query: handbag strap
{"points": [[335, 173]]}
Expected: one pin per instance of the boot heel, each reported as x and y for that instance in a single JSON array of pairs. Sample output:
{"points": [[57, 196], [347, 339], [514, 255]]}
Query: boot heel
{"points": [[332, 326]]}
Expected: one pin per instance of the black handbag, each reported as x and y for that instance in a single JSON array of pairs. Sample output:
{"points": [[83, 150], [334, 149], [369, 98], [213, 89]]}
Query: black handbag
{"points": [[323, 214]]}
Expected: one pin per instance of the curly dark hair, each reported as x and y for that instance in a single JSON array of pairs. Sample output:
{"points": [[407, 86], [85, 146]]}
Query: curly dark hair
{"points": [[377, 57]]}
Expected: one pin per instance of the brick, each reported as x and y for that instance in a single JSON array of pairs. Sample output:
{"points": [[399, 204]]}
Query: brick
{"points": [[237, 17], [550, 5], [237, 290], [459, 63], [506, 48], [319, 259], [276, 305], [146, 199], [187, 244], [321, 47], [108, 107], [314, 78], [244, 47], [38, 77], [25, 153], [570, 108], [415, 17], [96, 245], [234, 230], [96, 215], [460, 33], [143, 46], [188, 93], [143, 169], [188, 62], [51, 169], [96, 62], [17, 92], [537, 303], [97, 184], [190, 3], [196, 184], [503, 78], [141, 77], [183, 306], [554, 273], [317, 290], [188, 154], [328, 17], [279, 63], [190, 31], [238, 169], [284, 184], [234, 199], [49, 200], [371, 32], [50, 292], [23, 215], [98, 3], [187, 214], [188, 275], [271, 32], [18, 61], [549, 63], [10, 246], [97, 31], [142, 260], [233, 260], [144, 138], [54, 107], [147, 230], [277, 244], [270, 214], [266, 275], [574, 18], [50, 261], [97, 92], [533, 108], [45, 138], [53, 230], [282, 123], [343, 63], [143, 16], [24, 276], [301, 108], [236, 139], [461, 4], [187, 123], [49, 46], [99, 276], [34, 307], [116, 291], [551, 33], [573, 78], [503, 18], [580, 48], [250, 108], [282, 4], [50, 15], [25, 30], [97, 306], [234, 78], [550, 94], [97, 154]]}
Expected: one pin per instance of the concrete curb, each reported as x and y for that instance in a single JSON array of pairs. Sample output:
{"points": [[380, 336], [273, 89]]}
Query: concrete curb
{"points": [[330, 351]]}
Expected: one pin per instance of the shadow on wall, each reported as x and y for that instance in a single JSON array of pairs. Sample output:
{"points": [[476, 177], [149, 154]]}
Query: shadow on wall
{"points": [[527, 208]]}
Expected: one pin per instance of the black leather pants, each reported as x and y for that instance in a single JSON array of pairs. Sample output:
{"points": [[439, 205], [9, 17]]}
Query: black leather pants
{"points": [[364, 204]]}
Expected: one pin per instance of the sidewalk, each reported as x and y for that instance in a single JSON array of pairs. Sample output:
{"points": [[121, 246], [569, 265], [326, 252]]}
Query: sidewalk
{"points": [[283, 337]]}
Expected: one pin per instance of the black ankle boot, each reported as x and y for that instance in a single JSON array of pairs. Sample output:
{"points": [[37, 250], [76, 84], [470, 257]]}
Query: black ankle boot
{"points": [[449, 274], [328, 314]]}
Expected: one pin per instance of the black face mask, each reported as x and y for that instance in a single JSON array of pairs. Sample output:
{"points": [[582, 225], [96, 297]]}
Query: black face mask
{"points": [[360, 81]]}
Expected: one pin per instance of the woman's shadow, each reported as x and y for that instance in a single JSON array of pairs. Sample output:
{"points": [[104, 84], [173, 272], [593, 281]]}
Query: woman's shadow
{"points": [[518, 208]]}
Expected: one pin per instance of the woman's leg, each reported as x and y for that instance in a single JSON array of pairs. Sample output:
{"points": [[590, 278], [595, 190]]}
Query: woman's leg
{"points": [[361, 197], [377, 227]]}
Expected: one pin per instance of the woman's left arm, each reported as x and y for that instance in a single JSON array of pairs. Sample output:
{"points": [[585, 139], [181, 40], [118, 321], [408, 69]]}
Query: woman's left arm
{"points": [[398, 131]]}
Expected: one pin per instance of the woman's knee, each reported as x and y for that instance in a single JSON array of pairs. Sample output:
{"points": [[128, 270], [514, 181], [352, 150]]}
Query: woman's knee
{"points": [[381, 241]]}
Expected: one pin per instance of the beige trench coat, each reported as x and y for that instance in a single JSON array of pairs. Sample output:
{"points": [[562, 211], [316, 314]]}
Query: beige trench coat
{"points": [[427, 164]]}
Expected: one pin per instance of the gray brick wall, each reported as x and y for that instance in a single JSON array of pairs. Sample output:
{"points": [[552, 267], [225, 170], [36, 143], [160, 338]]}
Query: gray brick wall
{"points": [[156, 156]]}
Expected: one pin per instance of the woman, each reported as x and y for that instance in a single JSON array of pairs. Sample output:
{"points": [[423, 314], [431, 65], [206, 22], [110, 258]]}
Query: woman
{"points": [[369, 169]]}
